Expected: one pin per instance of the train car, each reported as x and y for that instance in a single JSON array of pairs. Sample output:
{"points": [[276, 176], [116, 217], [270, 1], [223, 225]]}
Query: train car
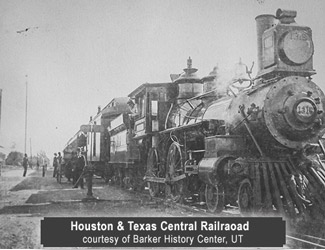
{"points": [[77, 141], [98, 139], [132, 132]]}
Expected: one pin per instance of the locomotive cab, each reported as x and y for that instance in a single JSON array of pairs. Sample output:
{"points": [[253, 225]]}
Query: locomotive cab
{"points": [[151, 100]]}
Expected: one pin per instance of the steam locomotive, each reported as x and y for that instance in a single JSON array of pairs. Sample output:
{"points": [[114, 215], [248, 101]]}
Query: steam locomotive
{"points": [[256, 145]]}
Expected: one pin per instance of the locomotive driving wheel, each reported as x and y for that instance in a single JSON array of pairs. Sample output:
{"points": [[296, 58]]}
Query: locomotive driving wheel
{"points": [[214, 197], [176, 188], [245, 197], [153, 171]]}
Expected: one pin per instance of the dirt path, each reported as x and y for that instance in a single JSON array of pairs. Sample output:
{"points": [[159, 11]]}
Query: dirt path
{"points": [[17, 231], [8, 179], [24, 202]]}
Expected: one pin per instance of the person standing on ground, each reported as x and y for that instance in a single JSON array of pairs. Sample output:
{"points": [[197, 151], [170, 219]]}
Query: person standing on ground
{"points": [[59, 158], [81, 163], [59, 163], [74, 173], [55, 165], [44, 169], [25, 164]]}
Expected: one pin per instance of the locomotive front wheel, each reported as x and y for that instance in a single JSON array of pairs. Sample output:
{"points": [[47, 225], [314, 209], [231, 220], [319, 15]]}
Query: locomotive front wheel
{"points": [[245, 197], [175, 190], [214, 198]]}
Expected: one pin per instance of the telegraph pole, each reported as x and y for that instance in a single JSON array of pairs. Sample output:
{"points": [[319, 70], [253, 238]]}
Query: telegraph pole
{"points": [[0, 105], [0, 123], [26, 115], [30, 141]]}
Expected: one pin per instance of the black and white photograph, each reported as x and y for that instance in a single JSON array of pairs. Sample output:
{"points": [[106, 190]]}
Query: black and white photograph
{"points": [[162, 124]]}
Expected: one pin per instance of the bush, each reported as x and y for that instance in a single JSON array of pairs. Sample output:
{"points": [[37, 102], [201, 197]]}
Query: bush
{"points": [[15, 158]]}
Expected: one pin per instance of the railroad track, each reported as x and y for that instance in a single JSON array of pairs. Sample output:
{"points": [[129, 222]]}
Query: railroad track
{"points": [[296, 240], [190, 208]]}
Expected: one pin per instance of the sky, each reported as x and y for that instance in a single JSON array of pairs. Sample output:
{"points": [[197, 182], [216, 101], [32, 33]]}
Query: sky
{"points": [[76, 55]]}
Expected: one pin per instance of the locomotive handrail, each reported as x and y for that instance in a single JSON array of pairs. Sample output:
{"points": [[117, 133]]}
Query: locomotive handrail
{"points": [[263, 85], [189, 103], [242, 121], [170, 109], [249, 72], [196, 151], [182, 127]]}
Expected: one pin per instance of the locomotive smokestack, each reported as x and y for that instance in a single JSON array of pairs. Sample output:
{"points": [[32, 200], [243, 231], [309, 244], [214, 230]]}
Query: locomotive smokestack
{"points": [[263, 22]]}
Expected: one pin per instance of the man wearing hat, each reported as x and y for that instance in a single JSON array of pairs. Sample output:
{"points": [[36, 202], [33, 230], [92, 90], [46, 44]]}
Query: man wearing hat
{"points": [[80, 165], [25, 164], [73, 163], [55, 165], [133, 107]]}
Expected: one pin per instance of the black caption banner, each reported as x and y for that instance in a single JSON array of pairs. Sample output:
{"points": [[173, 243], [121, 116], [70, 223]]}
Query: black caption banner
{"points": [[163, 232]]}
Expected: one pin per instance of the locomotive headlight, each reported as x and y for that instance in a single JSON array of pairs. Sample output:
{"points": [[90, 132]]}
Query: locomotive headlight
{"points": [[305, 110], [296, 47]]}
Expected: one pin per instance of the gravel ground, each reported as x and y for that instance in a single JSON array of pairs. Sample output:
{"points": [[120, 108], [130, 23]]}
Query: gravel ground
{"points": [[8, 179], [17, 231], [24, 202]]}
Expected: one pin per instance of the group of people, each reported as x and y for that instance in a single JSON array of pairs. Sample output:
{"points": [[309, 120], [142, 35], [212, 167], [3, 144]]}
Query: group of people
{"points": [[74, 167]]}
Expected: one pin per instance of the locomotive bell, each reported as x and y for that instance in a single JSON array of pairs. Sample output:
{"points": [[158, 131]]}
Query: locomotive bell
{"points": [[240, 70], [286, 16]]}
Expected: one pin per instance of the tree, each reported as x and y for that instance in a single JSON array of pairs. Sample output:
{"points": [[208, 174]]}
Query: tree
{"points": [[2, 157], [14, 158], [42, 158]]}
